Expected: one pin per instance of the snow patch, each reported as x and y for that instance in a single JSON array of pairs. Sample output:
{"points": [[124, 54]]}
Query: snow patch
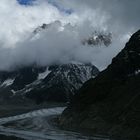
{"points": [[137, 72], [14, 92], [8, 82], [44, 74], [28, 90]]}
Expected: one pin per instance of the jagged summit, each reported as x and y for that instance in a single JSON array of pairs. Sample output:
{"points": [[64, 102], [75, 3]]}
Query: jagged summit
{"points": [[50, 83], [127, 62], [45, 26], [97, 38]]}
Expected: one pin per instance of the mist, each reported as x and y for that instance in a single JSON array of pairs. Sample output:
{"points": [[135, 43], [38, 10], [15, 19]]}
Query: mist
{"points": [[61, 42]]}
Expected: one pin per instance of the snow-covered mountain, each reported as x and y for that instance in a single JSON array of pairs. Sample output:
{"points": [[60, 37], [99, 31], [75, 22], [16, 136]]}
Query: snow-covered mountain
{"points": [[96, 38], [52, 83], [45, 26]]}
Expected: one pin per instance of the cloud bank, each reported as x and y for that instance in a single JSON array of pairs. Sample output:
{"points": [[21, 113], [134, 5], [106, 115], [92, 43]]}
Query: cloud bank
{"points": [[61, 43]]}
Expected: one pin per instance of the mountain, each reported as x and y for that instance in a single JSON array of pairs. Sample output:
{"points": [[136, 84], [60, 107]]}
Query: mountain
{"points": [[51, 83], [45, 26], [110, 103], [97, 38], [44, 83]]}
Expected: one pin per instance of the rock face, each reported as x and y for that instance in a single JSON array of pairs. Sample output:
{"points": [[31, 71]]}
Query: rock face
{"points": [[52, 83], [98, 39], [110, 103], [44, 27]]}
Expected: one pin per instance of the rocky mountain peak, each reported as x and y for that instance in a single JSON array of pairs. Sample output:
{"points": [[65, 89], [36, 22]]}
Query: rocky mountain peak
{"points": [[126, 63], [98, 38], [45, 26], [53, 83]]}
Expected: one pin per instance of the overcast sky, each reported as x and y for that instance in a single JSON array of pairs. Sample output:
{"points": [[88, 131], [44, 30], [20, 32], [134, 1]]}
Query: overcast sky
{"points": [[62, 43]]}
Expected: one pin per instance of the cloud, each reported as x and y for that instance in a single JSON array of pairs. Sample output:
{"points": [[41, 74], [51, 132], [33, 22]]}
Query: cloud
{"points": [[58, 44], [61, 43], [122, 13], [16, 20]]}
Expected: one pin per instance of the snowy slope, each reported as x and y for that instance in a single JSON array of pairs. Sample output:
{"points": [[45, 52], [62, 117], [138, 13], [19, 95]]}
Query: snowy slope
{"points": [[53, 83]]}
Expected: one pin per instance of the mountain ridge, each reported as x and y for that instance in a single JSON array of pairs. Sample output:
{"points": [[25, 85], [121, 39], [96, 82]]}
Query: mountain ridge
{"points": [[109, 104], [50, 83]]}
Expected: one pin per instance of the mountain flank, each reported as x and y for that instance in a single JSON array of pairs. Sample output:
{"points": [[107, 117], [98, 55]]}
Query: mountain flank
{"points": [[110, 103]]}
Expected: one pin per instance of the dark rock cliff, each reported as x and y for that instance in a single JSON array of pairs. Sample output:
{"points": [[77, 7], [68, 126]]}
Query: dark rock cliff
{"points": [[110, 103]]}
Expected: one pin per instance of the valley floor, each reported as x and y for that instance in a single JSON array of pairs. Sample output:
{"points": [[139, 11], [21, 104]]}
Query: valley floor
{"points": [[7, 110], [3, 137], [37, 125]]}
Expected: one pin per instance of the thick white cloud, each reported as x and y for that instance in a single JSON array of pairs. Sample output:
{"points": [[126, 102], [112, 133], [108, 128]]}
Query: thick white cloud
{"points": [[17, 23], [16, 19]]}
